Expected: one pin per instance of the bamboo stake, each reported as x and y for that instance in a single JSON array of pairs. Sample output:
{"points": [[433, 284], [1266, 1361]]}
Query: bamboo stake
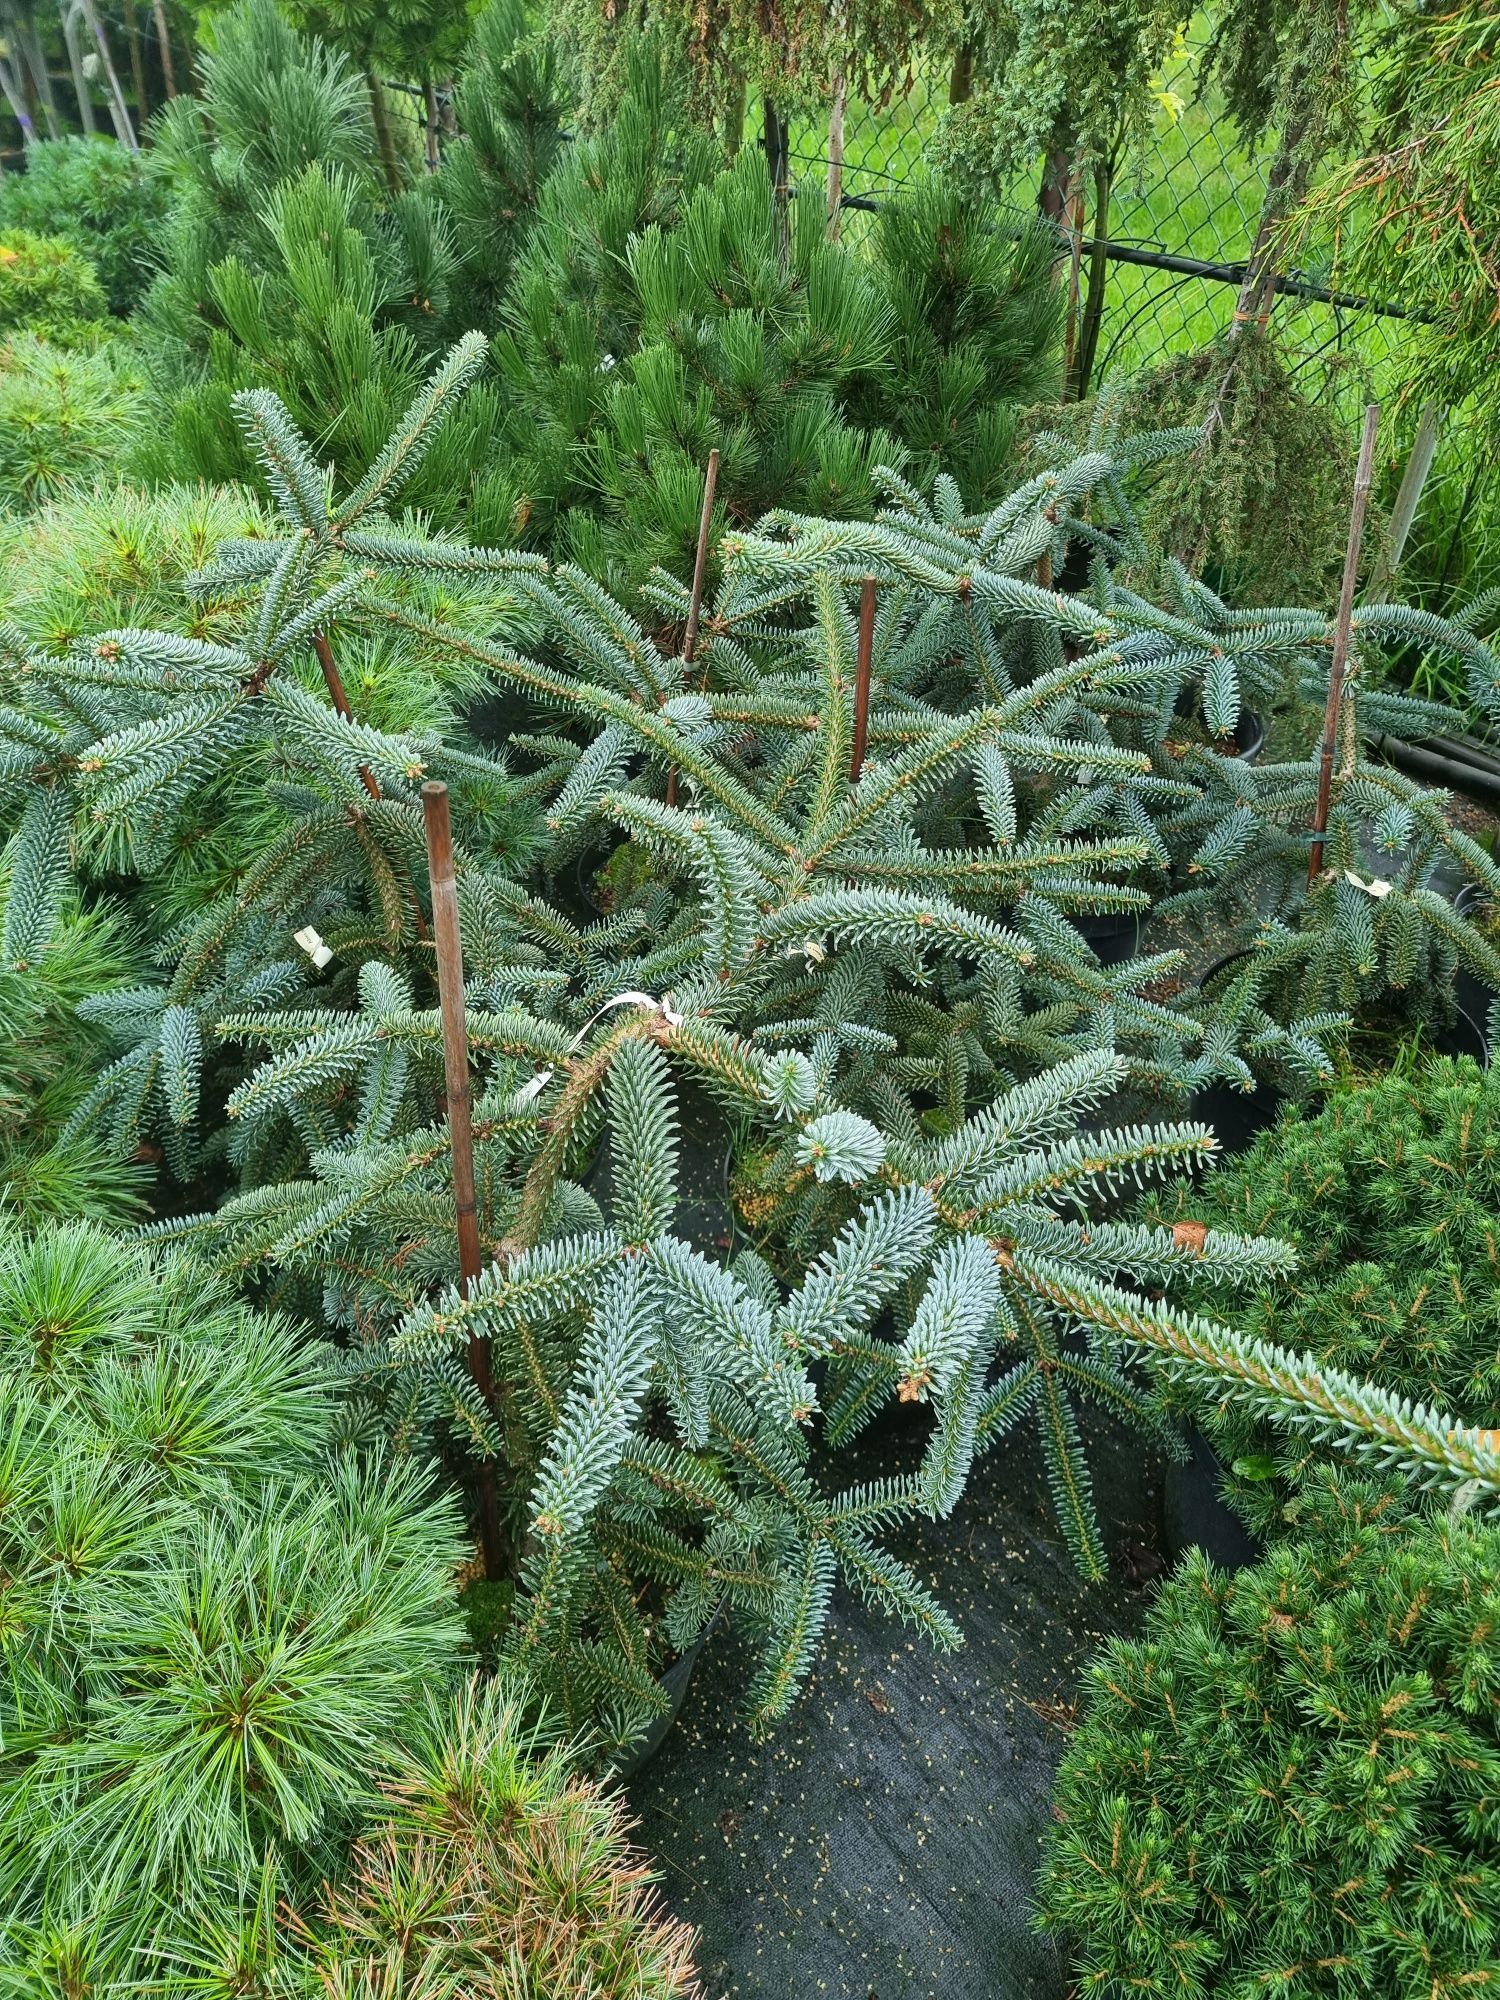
{"points": [[862, 664], [118, 110], [450, 978], [69, 15], [695, 599], [1341, 631], [33, 62], [15, 98]]}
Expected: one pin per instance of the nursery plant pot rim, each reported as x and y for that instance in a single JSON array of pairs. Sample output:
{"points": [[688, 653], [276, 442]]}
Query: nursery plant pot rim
{"points": [[674, 1681]]}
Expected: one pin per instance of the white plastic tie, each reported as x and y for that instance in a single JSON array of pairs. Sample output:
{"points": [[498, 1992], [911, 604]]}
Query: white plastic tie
{"points": [[539, 1082], [1378, 888]]}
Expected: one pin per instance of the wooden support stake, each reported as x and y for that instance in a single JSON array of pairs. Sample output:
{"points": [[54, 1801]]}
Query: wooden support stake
{"points": [[863, 660], [1364, 473], [450, 979], [333, 681], [695, 600], [164, 46]]}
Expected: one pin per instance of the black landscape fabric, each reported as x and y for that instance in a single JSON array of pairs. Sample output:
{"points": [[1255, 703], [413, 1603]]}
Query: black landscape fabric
{"points": [[882, 1844]]}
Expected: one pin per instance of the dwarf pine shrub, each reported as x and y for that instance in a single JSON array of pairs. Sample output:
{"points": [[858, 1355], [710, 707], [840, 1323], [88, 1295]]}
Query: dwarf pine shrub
{"points": [[1391, 1193], [1289, 1784], [214, 1620]]}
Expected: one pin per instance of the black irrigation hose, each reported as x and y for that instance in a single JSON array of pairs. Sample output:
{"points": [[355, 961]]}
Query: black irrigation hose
{"points": [[1466, 750], [1477, 781]]}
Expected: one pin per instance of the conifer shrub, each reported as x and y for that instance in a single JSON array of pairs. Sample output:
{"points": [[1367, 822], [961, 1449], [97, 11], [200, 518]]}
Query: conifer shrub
{"points": [[285, 262], [118, 555], [494, 1870], [107, 202], [976, 335], [49, 289], [216, 1621], [1289, 1784], [67, 417], [873, 980], [1391, 1194], [48, 1056]]}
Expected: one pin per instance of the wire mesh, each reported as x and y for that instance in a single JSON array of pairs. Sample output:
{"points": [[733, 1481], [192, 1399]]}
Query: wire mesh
{"points": [[1189, 191]]}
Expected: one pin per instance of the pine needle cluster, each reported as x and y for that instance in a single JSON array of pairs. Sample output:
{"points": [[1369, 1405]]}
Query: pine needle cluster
{"points": [[213, 1625], [492, 1871]]}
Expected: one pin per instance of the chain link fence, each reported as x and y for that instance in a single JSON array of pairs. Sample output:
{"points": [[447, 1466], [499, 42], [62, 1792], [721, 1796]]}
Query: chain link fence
{"points": [[1167, 259]]}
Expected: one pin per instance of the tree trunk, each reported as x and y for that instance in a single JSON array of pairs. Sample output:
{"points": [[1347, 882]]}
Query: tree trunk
{"points": [[434, 151], [734, 120], [118, 110], [776, 164], [385, 138], [1098, 278], [1286, 184], [961, 76], [836, 112], [137, 63], [164, 46], [75, 63], [1057, 171]]}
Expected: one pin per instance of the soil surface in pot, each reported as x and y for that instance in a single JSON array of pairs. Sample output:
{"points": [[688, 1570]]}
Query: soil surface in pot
{"points": [[882, 1844]]}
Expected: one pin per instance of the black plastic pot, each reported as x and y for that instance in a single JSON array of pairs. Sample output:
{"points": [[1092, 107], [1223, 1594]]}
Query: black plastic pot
{"points": [[1238, 1117], [1113, 937], [1455, 763], [1471, 994], [1249, 737], [1195, 1515], [674, 1682], [705, 1156]]}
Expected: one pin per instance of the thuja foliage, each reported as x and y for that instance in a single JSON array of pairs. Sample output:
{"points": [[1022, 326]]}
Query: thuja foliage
{"points": [[1391, 1194], [214, 1620], [492, 1870], [1289, 1784]]}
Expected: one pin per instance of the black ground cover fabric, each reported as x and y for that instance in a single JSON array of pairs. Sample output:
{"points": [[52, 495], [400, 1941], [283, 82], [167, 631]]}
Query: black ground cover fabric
{"points": [[882, 1845]]}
